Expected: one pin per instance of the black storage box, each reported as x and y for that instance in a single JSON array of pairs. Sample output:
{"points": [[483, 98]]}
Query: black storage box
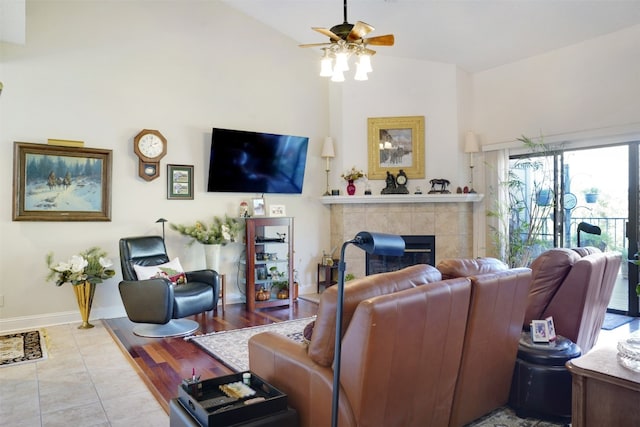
{"points": [[230, 413]]}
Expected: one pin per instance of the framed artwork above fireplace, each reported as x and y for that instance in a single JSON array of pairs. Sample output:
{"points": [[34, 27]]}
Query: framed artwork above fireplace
{"points": [[396, 143]]}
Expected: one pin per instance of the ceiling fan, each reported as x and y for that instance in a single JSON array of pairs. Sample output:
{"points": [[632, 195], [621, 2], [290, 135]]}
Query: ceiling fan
{"points": [[344, 40]]}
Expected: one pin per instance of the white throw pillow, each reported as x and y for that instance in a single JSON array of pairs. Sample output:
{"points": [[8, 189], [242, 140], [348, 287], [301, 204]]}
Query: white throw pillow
{"points": [[171, 270]]}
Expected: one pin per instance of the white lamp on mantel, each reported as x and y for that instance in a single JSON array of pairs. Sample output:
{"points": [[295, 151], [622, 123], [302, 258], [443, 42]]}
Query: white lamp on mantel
{"points": [[471, 146], [328, 153]]}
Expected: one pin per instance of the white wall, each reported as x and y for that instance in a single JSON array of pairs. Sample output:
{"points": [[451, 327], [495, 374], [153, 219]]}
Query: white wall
{"points": [[588, 86], [102, 71], [399, 87]]}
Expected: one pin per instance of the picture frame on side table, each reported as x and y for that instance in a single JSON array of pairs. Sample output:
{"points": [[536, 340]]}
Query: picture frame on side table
{"points": [[58, 183], [396, 143], [539, 331], [180, 182], [277, 210]]}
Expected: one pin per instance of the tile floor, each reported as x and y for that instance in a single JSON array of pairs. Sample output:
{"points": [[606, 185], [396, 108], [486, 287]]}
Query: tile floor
{"points": [[85, 381]]}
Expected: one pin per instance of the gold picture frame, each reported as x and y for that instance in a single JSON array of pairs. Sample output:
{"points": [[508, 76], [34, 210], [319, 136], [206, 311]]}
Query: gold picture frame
{"points": [[56, 183], [396, 143]]}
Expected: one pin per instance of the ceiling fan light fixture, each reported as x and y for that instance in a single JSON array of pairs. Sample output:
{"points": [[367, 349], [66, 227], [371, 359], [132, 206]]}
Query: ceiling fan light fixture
{"points": [[361, 74], [326, 65], [346, 40], [338, 75], [342, 62], [365, 62]]}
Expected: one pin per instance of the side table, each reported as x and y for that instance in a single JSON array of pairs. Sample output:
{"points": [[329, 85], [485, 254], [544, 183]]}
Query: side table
{"points": [[604, 392], [327, 275], [541, 384]]}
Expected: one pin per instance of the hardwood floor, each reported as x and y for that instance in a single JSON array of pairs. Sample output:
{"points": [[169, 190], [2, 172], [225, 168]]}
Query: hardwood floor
{"points": [[164, 362]]}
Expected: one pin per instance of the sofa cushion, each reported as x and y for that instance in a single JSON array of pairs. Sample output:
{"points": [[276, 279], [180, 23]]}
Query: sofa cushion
{"points": [[171, 270], [466, 267], [321, 348], [549, 271], [586, 250]]}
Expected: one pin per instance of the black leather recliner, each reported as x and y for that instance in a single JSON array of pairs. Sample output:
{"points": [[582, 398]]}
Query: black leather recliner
{"points": [[156, 305]]}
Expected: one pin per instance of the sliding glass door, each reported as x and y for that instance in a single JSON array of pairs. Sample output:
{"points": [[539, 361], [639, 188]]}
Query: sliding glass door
{"points": [[595, 191]]}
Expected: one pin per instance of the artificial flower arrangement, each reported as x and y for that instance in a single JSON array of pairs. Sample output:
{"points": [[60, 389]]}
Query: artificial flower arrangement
{"points": [[219, 232], [88, 266], [353, 174]]}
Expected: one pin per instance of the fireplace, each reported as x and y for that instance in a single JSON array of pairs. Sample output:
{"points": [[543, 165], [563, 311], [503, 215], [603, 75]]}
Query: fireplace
{"points": [[419, 249]]}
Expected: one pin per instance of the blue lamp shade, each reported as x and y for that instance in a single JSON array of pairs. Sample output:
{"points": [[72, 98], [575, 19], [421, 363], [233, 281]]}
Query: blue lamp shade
{"points": [[380, 243]]}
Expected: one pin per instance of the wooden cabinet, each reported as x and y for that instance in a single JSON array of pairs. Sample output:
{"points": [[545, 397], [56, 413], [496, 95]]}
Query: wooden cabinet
{"points": [[604, 392], [269, 261]]}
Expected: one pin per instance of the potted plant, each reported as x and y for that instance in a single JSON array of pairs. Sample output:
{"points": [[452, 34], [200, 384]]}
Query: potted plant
{"points": [[523, 204], [212, 236], [83, 271], [591, 195], [279, 282]]}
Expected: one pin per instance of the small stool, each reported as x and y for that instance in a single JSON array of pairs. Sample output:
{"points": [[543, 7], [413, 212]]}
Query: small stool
{"points": [[541, 384]]}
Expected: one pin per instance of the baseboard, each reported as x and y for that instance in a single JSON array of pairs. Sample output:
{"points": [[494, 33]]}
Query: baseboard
{"points": [[50, 319]]}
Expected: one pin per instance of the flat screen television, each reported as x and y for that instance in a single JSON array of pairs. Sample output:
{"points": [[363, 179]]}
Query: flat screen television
{"points": [[255, 162]]}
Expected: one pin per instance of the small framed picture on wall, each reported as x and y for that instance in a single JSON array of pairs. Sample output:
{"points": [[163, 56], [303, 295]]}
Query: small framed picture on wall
{"points": [[277, 210], [259, 208], [180, 182]]}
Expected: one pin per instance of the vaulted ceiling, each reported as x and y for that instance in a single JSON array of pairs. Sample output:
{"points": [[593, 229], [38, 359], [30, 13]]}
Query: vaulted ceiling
{"points": [[474, 34]]}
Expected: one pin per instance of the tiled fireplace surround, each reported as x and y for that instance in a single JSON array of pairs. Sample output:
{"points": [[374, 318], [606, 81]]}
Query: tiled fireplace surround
{"points": [[449, 217]]}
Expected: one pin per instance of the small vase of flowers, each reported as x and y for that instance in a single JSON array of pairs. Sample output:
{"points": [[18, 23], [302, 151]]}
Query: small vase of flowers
{"points": [[351, 176], [83, 271]]}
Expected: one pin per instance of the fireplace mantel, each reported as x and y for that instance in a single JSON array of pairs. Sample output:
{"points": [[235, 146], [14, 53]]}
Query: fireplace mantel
{"points": [[403, 198]]}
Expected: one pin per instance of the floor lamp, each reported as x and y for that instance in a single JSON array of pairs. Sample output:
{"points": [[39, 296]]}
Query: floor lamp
{"points": [[162, 220], [328, 153], [373, 244]]}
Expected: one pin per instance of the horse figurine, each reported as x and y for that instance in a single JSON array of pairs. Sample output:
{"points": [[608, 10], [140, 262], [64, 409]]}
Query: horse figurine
{"points": [[441, 185]]}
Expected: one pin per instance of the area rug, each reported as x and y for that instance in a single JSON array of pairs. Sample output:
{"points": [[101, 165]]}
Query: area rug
{"points": [[231, 347], [612, 321], [21, 347], [506, 417]]}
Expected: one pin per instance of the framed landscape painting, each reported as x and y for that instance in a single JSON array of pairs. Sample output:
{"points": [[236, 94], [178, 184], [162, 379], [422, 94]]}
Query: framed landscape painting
{"points": [[396, 143], [56, 183]]}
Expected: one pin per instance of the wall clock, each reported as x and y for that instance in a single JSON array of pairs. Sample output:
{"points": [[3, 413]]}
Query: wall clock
{"points": [[150, 146]]}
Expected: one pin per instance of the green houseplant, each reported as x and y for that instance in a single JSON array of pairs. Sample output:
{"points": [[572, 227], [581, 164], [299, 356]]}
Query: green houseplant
{"points": [[523, 204], [279, 282], [219, 232]]}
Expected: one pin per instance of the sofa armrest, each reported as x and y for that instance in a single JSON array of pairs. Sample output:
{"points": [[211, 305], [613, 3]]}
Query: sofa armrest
{"points": [[209, 277], [147, 301], [285, 364]]}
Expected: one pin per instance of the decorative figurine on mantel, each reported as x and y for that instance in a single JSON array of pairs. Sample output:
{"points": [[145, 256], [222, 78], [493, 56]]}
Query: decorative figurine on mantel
{"points": [[439, 186], [397, 184]]}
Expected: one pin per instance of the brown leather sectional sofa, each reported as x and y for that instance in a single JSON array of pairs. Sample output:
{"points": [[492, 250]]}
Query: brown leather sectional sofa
{"points": [[574, 287], [416, 351]]}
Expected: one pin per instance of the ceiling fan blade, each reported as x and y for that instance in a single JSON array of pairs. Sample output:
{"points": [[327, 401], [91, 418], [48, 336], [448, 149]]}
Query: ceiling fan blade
{"points": [[359, 30], [386, 40], [370, 51], [327, 32], [314, 44]]}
